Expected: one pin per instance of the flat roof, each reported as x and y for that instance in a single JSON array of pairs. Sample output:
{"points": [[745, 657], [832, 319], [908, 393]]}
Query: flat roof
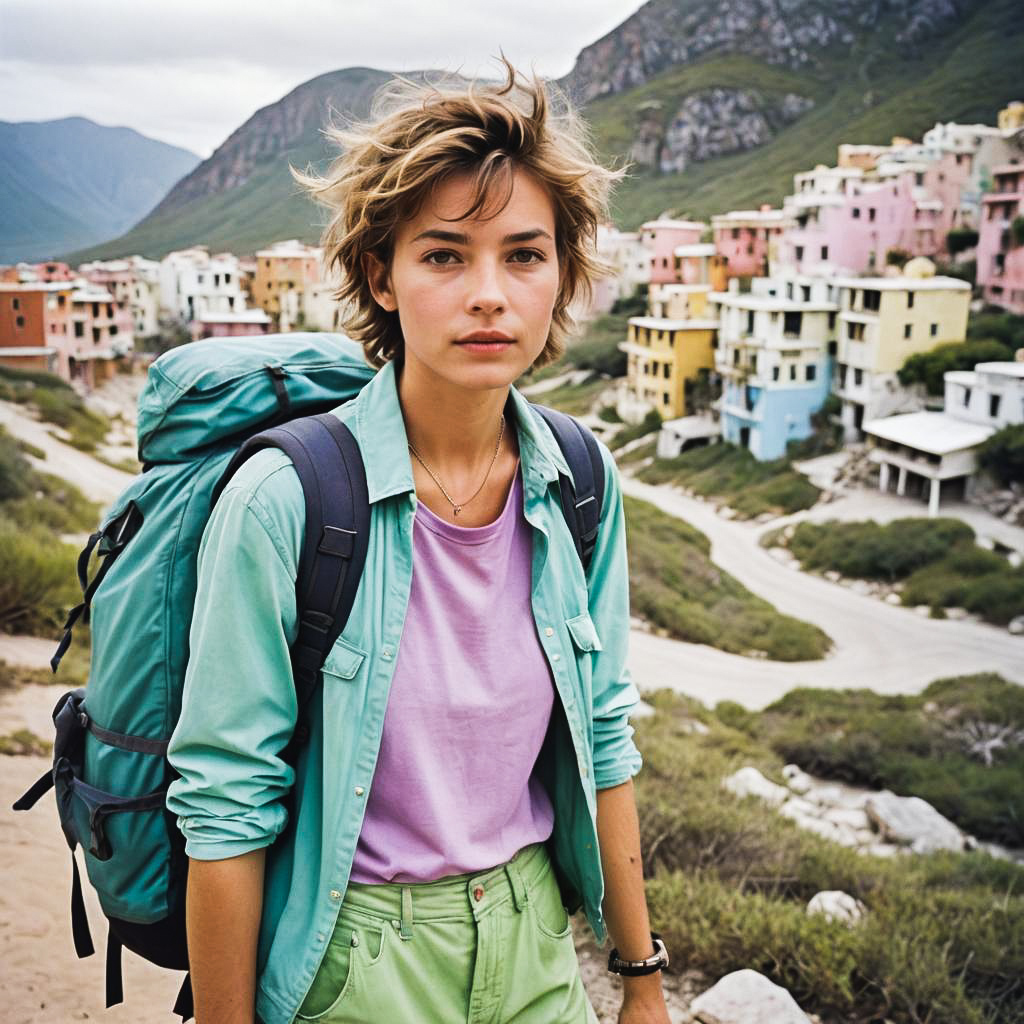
{"points": [[657, 323], [248, 316], [665, 222], [696, 249], [773, 214], [27, 350], [691, 427], [937, 433], [1005, 368], [903, 284], [772, 303]]}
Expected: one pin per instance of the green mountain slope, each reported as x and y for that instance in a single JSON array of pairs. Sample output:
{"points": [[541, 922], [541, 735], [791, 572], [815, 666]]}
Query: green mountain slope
{"points": [[880, 72]]}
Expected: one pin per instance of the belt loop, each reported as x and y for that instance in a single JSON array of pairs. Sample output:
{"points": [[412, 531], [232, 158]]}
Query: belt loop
{"points": [[405, 932], [515, 878]]}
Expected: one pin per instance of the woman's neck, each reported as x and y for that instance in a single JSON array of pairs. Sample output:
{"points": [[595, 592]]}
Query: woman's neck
{"points": [[454, 430]]}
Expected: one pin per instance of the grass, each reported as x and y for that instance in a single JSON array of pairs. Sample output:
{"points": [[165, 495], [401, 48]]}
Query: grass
{"points": [[732, 475], [675, 586], [578, 399], [936, 559], [56, 403], [25, 743], [729, 880]]}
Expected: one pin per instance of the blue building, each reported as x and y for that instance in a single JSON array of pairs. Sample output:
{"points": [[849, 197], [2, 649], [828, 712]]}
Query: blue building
{"points": [[776, 344]]}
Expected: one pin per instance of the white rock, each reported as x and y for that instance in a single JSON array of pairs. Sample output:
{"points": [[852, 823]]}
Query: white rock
{"points": [[825, 795], [849, 817], [746, 997], [836, 905], [923, 609], [797, 779], [957, 613], [834, 576], [893, 599], [861, 587], [750, 782], [913, 822], [797, 809], [1016, 626]]}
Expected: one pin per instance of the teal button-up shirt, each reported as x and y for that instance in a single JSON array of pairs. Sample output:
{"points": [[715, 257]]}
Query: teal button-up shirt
{"points": [[239, 706]]}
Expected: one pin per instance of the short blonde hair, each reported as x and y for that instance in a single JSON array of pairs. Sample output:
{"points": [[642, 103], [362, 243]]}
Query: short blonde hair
{"points": [[419, 135]]}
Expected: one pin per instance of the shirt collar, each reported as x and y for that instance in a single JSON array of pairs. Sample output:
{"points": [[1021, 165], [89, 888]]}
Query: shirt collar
{"points": [[381, 434]]}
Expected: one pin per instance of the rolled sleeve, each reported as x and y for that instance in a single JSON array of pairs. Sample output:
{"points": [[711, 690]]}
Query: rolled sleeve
{"points": [[616, 758], [239, 704]]}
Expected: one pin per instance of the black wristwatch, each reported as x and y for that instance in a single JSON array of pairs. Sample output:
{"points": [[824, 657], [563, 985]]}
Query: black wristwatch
{"points": [[637, 968]]}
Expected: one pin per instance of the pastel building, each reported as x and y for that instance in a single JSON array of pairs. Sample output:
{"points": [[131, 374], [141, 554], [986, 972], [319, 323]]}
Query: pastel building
{"points": [[1000, 252], [774, 359], [230, 325], [882, 322], [929, 454], [661, 238], [135, 285], [747, 240], [194, 283], [631, 263], [284, 271]]}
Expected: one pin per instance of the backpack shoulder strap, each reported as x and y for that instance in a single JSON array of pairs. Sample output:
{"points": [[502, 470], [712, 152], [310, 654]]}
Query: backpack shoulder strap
{"points": [[330, 468], [582, 495]]}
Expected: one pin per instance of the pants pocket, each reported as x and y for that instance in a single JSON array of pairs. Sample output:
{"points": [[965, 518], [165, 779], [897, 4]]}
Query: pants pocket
{"points": [[357, 943], [546, 907]]}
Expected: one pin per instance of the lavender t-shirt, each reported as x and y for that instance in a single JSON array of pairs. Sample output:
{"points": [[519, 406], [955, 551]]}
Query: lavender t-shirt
{"points": [[455, 789]]}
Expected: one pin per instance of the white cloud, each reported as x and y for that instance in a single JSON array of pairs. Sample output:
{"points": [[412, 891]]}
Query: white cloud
{"points": [[189, 72]]}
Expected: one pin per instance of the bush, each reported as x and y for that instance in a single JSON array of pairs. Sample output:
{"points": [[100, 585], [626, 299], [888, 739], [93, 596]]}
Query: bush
{"points": [[598, 348], [960, 240], [1002, 455], [15, 470], [996, 324], [868, 550], [675, 586], [928, 368], [38, 583], [650, 424]]}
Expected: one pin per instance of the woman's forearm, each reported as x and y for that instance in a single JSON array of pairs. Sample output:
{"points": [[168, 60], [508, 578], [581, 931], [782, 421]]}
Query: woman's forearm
{"points": [[625, 905], [223, 905]]}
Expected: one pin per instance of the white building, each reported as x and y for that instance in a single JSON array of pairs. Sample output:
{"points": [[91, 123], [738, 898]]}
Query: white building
{"points": [[631, 262], [194, 283], [927, 449]]}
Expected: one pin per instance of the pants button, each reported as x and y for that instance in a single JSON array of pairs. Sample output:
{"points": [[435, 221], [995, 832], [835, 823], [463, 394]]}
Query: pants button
{"points": [[478, 893]]}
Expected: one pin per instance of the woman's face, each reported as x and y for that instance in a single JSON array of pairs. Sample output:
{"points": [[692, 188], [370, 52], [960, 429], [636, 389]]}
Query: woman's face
{"points": [[474, 296]]}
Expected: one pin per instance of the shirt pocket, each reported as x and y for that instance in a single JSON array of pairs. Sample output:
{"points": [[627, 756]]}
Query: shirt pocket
{"points": [[344, 661], [584, 633]]}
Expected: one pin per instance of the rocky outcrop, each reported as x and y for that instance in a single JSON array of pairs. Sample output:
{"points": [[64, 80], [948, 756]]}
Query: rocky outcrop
{"points": [[793, 33], [746, 997]]}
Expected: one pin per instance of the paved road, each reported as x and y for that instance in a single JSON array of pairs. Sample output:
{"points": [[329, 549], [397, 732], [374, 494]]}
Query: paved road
{"points": [[887, 649]]}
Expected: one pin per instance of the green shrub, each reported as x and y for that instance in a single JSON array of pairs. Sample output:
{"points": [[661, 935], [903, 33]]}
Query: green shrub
{"points": [[15, 470], [650, 424], [996, 324], [609, 414], [929, 368], [675, 586], [37, 579], [26, 379], [1003, 454], [960, 240]]}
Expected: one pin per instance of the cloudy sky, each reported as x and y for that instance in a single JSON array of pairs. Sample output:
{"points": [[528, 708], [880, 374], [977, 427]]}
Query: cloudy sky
{"points": [[189, 72]]}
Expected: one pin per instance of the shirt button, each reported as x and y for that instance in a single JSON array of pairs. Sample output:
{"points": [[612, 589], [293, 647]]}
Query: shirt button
{"points": [[556, 657], [478, 893], [335, 895], [549, 631], [359, 790], [386, 653], [320, 937]]}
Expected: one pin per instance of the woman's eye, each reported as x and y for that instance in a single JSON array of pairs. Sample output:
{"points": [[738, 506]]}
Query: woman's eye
{"points": [[440, 257], [527, 256]]}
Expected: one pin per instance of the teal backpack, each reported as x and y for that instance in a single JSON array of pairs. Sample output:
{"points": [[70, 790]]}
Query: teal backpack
{"points": [[206, 408]]}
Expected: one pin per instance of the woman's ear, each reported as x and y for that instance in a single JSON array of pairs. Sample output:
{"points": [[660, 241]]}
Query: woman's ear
{"points": [[379, 280]]}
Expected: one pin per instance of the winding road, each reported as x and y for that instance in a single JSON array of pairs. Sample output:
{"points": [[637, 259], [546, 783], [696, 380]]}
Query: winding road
{"points": [[884, 648]]}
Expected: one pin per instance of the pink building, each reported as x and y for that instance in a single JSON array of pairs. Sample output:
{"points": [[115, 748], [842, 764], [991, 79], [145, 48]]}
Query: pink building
{"points": [[661, 238], [846, 222], [1001, 240], [230, 325], [747, 239], [119, 279], [54, 271]]}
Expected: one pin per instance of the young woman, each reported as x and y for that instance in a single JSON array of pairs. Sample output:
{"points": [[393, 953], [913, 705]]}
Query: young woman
{"points": [[468, 780]]}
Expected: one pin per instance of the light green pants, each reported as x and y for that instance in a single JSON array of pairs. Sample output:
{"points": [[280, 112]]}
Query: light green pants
{"points": [[490, 948]]}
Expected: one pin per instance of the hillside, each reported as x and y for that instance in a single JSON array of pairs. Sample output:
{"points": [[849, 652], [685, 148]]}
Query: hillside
{"points": [[72, 182], [716, 105]]}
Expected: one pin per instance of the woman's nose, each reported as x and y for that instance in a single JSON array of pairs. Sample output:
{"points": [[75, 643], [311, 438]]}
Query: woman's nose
{"points": [[486, 294]]}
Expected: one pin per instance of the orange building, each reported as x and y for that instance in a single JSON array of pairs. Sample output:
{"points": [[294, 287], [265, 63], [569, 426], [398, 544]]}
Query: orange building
{"points": [[283, 272]]}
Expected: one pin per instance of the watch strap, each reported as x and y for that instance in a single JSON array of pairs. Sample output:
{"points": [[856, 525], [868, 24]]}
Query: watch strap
{"points": [[637, 968]]}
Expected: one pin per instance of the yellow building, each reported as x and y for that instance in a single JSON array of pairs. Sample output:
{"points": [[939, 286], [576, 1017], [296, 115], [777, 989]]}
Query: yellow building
{"points": [[664, 354], [882, 322], [283, 273]]}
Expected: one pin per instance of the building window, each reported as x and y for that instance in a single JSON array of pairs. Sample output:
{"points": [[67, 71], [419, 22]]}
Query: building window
{"points": [[824, 252], [799, 253], [967, 396], [805, 289], [16, 303], [791, 324], [79, 329], [858, 377], [792, 371], [856, 213], [855, 332], [908, 329], [910, 300], [736, 357], [832, 321], [735, 232], [775, 373], [667, 371], [919, 178], [811, 371], [872, 300], [934, 330], [750, 321], [833, 347], [993, 405], [19, 320], [665, 399], [871, 213]]}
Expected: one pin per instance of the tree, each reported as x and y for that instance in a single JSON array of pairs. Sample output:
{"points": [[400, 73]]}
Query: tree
{"points": [[960, 240], [1003, 455]]}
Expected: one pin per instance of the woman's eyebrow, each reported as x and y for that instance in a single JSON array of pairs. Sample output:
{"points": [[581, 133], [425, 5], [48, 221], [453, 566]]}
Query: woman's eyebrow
{"points": [[459, 238]]}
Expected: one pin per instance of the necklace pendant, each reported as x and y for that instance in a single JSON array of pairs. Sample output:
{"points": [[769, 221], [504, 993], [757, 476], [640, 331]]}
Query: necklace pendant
{"points": [[456, 509]]}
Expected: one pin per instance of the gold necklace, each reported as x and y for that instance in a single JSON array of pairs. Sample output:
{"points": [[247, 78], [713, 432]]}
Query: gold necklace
{"points": [[458, 507]]}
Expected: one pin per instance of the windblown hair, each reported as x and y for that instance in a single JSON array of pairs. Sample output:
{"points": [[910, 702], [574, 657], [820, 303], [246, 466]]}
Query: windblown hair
{"points": [[420, 135]]}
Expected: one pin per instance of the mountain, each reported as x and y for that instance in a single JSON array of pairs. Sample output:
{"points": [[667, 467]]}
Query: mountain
{"points": [[72, 182], [714, 103]]}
